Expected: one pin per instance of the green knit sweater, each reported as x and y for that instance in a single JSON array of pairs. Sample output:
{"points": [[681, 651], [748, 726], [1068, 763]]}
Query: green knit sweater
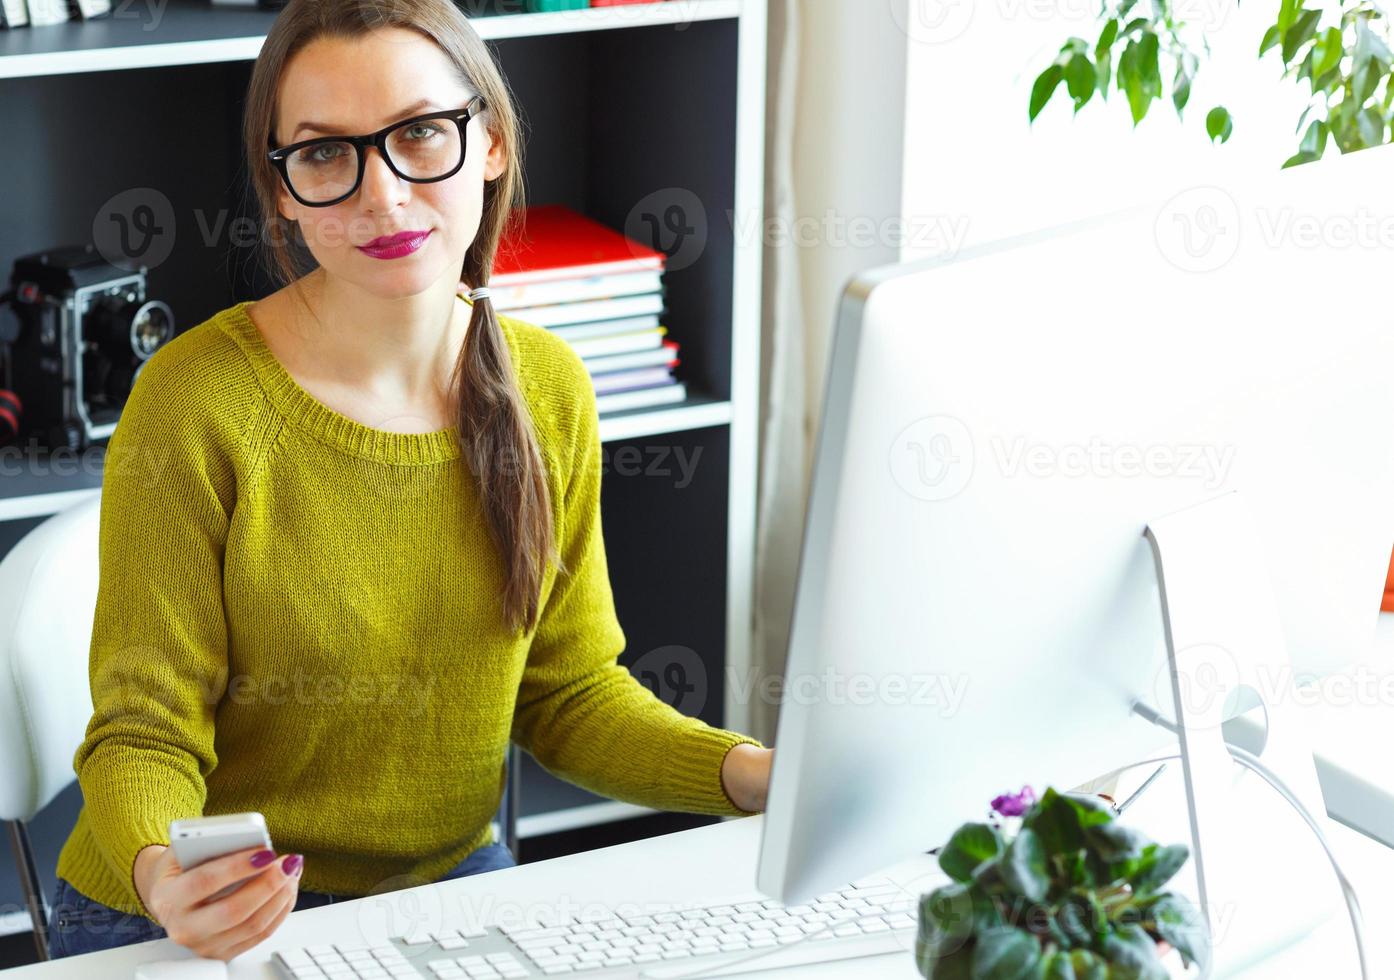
{"points": [[299, 614]]}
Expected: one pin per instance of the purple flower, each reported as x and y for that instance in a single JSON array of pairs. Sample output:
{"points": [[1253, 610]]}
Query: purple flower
{"points": [[1015, 804]]}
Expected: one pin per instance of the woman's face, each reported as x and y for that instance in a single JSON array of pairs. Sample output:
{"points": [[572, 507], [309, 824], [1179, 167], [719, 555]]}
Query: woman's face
{"points": [[356, 86]]}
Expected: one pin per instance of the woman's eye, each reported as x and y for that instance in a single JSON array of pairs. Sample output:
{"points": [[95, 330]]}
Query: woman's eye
{"points": [[324, 153], [423, 130]]}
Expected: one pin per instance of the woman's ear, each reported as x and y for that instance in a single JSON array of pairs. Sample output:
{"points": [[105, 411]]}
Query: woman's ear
{"points": [[285, 204], [496, 160]]}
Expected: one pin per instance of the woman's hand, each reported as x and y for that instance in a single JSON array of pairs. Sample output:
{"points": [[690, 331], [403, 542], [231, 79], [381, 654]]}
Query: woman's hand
{"points": [[745, 775], [232, 924]]}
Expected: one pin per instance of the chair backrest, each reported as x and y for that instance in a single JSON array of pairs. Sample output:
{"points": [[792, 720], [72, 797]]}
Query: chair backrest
{"points": [[48, 597]]}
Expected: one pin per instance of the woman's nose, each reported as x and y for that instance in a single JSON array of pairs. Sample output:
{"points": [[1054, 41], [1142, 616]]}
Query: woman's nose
{"points": [[381, 189]]}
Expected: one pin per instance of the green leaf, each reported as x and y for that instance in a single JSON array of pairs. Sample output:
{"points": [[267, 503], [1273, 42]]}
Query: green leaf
{"points": [[1087, 965], [1315, 140], [1116, 842], [1181, 924], [946, 920], [1159, 864], [1103, 70], [1299, 33], [1270, 38], [957, 965], [1148, 63], [1005, 954], [1076, 921], [1132, 955], [1072, 46], [1218, 124], [1297, 159], [1024, 866], [970, 846], [1057, 966], [1043, 89], [1136, 24], [1106, 37], [1329, 49], [1366, 80], [1371, 126], [1369, 46], [1181, 87], [1287, 11], [1059, 819], [1079, 78]]}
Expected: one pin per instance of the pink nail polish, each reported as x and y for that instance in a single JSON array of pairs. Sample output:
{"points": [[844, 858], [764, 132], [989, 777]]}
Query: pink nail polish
{"points": [[292, 864], [262, 858]]}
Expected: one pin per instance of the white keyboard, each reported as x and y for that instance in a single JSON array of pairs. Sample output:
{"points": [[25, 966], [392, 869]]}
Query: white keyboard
{"points": [[861, 920]]}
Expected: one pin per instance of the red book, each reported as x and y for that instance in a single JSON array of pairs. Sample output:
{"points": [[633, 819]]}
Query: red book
{"points": [[556, 242]]}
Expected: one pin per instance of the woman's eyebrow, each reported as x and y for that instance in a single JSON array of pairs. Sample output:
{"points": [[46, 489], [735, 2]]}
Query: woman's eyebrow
{"points": [[417, 106]]}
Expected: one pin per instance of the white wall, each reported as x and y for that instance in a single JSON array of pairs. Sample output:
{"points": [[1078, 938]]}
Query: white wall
{"points": [[849, 144]]}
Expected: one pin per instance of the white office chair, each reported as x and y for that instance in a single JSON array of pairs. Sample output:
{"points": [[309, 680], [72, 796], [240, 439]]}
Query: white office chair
{"points": [[48, 596]]}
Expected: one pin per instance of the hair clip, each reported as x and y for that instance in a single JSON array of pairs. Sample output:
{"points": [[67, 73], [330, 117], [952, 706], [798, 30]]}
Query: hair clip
{"points": [[481, 293]]}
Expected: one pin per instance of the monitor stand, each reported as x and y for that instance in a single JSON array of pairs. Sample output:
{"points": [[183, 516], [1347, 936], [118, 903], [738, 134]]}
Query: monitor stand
{"points": [[1263, 881]]}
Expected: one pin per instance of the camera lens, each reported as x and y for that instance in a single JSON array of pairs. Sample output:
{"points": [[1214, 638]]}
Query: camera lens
{"points": [[122, 327], [152, 325]]}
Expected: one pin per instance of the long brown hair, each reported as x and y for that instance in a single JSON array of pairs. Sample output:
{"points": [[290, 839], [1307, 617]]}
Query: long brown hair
{"points": [[496, 433]]}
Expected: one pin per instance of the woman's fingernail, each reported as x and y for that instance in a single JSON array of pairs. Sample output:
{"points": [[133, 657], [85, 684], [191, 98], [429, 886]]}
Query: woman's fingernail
{"points": [[262, 858], [292, 863]]}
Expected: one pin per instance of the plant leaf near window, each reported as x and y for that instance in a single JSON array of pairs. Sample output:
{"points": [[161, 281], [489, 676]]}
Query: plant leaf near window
{"points": [[1341, 51]]}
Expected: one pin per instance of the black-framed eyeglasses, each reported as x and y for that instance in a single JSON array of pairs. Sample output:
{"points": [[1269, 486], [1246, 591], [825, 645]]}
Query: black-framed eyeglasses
{"points": [[423, 149]]}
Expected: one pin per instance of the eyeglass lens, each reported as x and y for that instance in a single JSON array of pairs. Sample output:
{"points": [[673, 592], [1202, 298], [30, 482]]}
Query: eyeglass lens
{"points": [[422, 150]]}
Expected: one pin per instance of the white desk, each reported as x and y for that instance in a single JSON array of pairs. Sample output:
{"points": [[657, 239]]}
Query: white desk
{"points": [[702, 865]]}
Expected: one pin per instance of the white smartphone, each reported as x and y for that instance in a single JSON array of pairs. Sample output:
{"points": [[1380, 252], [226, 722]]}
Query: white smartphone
{"points": [[198, 839]]}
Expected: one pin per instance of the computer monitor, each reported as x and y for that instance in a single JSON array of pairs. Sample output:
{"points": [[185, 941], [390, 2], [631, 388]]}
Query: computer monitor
{"points": [[977, 607]]}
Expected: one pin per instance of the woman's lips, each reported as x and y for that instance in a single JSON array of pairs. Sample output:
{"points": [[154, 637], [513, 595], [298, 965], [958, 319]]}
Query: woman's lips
{"points": [[395, 246]]}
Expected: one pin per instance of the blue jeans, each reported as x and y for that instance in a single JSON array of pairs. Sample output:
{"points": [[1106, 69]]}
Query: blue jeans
{"points": [[78, 924]]}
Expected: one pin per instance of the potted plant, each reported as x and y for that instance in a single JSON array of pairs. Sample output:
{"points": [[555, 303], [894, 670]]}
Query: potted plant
{"points": [[1072, 894]]}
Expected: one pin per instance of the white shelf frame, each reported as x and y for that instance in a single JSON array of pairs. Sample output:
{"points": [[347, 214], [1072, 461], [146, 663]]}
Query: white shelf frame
{"points": [[157, 55]]}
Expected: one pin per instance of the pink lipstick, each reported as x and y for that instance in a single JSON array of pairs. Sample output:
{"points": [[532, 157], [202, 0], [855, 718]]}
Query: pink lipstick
{"points": [[395, 246]]}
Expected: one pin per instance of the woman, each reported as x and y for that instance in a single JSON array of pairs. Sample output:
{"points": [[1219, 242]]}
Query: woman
{"points": [[350, 533]]}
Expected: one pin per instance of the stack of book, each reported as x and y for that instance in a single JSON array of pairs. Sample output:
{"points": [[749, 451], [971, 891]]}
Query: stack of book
{"points": [[600, 291]]}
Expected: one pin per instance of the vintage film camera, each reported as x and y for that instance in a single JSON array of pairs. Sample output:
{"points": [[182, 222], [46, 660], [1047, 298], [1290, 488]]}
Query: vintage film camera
{"points": [[86, 328]]}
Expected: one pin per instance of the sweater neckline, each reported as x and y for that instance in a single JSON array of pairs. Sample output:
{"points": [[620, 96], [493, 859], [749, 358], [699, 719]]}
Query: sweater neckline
{"points": [[329, 426]]}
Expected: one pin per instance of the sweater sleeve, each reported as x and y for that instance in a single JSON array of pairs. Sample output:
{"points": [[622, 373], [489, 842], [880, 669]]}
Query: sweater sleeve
{"points": [[158, 656], [581, 714]]}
